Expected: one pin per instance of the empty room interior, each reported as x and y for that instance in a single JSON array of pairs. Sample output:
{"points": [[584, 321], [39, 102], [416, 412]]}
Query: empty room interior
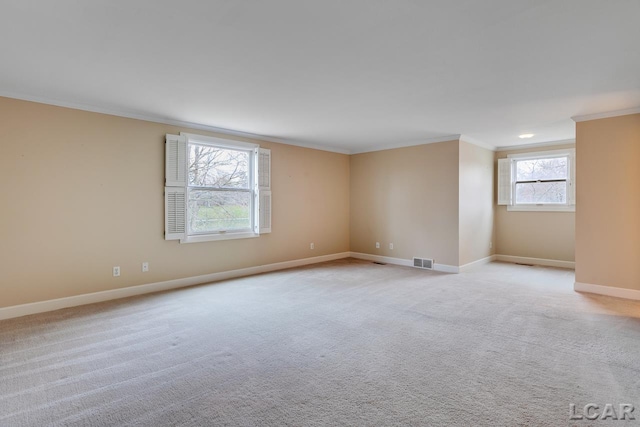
{"points": [[319, 213]]}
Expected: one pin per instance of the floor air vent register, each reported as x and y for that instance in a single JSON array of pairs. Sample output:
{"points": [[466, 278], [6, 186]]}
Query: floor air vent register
{"points": [[425, 263]]}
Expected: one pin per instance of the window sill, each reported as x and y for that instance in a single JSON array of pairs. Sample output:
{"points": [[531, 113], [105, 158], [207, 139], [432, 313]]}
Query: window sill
{"points": [[541, 208], [214, 237]]}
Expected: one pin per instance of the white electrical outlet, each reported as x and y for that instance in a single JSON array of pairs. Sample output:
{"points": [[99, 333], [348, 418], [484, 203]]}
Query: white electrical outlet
{"points": [[377, 245], [312, 246], [116, 271], [391, 246], [145, 267]]}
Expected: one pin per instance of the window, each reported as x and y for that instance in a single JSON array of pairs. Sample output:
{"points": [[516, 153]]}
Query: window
{"points": [[215, 189], [543, 181]]}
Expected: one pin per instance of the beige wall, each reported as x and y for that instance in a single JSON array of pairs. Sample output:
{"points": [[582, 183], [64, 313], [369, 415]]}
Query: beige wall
{"points": [[545, 235], [608, 202], [408, 197], [83, 192], [475, 203]]}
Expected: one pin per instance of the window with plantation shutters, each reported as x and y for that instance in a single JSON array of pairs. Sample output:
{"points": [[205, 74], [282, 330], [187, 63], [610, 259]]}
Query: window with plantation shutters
{"points": [[215, 189], [539, 181]]}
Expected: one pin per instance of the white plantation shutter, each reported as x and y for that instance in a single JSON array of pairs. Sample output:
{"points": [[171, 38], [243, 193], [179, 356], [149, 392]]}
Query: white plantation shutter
{"points": [[174, 213], [504, 182], [264, 190], [264, 168], [265, 212], [175, 202], [175, 161]]}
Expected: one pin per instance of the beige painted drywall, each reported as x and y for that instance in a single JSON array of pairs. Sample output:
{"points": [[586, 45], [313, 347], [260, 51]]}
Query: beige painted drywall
{"points": [[608, 202], [545, 235], [475, 203], [408, 197], [83, 192]]}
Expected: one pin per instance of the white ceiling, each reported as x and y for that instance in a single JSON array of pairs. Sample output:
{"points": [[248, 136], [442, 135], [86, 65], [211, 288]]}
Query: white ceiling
{"points": [[351, 75]]}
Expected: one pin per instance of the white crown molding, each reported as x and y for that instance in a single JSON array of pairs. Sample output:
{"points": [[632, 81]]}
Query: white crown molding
{"points": [[611, 291], [477, 142], [407, 144], [167, 121], [536, 145], [606, 115], [223, 131], [73, 301]]}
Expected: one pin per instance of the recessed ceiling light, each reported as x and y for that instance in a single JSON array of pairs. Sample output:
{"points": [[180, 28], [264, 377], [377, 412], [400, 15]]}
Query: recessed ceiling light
{"points": [[526, 135]]}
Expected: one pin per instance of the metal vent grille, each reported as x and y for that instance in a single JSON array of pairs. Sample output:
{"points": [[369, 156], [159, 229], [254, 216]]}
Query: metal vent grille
{"points": [[425, 263]]}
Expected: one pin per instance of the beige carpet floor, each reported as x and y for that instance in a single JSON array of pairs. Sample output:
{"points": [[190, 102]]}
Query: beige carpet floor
{"points": [[342, 343]]}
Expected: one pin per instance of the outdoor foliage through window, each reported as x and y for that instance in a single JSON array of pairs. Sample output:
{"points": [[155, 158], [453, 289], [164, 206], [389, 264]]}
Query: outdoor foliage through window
{"points": [[219, 189], [542, 180]]}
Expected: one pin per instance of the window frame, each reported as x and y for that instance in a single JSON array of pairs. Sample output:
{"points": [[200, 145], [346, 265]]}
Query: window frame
{"points": [[253, 150], [250, 151], [569, 206]]}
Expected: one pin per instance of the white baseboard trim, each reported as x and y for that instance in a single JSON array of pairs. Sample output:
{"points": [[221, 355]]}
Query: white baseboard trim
{"points": [[444, 268], [607, 290], [56, 304], [380, 258], [536, 261], [476, 263]]}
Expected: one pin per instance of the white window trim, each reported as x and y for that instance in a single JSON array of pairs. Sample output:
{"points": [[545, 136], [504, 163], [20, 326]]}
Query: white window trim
{"points": [[244, 233], [195, 238], [231, 145], [545, 207], [218, 142]]}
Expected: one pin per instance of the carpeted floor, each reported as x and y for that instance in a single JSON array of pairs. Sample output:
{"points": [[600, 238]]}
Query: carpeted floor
{"points": [[342, 343]]}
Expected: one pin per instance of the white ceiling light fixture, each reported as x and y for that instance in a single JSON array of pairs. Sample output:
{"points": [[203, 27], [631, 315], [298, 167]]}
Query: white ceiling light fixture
{"points": [[526, 135]]}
